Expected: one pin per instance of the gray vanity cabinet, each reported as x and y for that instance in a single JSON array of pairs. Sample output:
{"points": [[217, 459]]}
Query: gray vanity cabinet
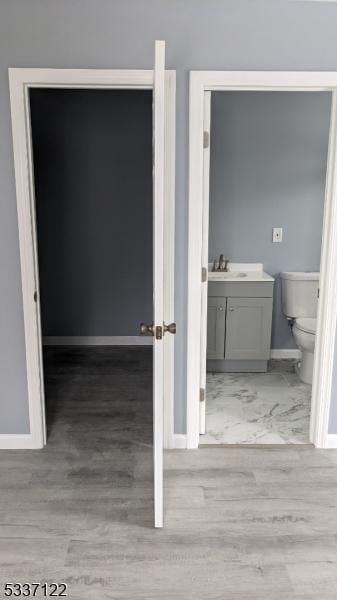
{"points": [[248, 325], [239, 318], [216, 328]]}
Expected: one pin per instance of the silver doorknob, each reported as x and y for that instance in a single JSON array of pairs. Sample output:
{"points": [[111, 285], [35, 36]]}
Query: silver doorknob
{"points": [[146, 328], [171, 328]]}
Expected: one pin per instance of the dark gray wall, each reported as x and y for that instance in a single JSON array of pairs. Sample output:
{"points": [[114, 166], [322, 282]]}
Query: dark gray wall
{"points": [[93, 179], [218, 34], [267, 169]]}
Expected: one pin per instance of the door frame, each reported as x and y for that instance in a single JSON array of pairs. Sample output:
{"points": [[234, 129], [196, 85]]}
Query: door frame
{"points": [[201, 82], [20, 81]]}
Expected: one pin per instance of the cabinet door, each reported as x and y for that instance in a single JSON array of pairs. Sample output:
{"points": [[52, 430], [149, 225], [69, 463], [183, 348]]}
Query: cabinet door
{"points": [[248, 328], [216, 326]]}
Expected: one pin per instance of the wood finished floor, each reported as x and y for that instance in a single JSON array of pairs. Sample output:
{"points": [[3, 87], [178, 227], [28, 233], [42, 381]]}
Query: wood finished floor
{"points": [[245, 524]]}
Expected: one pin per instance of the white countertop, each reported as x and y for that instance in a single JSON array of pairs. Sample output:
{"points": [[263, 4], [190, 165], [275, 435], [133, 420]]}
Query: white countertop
{"points": [[240, 272]]}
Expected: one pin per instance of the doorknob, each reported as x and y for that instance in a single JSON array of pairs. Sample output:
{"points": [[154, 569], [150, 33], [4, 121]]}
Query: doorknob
{"points": [[150, 328], [154, 330], [171, 328], [147, 328]]}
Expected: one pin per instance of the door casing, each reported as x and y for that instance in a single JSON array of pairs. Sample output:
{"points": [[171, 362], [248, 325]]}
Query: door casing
{"points": [[20, 81], [202, 82]]}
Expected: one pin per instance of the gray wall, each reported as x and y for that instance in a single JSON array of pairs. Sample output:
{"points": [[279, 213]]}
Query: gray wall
{"points": [[219, 34], [93, 180], [267, 169]]}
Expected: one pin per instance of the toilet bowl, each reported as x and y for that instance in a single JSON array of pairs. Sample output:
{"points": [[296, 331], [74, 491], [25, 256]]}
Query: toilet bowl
{"points": [[299, 303], [304, 331]]}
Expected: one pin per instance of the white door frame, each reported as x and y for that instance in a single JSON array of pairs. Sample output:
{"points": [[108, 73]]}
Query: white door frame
{"points": [[204, 260], [20, 81], [200, 82]]}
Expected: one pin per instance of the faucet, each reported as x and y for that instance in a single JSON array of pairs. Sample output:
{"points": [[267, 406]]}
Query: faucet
{"points": [[222, 264]]}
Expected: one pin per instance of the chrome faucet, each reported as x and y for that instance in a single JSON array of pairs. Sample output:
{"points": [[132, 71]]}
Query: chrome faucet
{"points": [[222, 264]]}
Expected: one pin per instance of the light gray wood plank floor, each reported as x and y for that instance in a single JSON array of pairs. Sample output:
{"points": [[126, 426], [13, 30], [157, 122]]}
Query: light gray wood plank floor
{"points": [[240, 523]]}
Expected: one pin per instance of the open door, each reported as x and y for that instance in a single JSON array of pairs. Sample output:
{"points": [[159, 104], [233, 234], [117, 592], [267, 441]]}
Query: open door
{"points": [[204, 262], [158, 328], [158, 276]]}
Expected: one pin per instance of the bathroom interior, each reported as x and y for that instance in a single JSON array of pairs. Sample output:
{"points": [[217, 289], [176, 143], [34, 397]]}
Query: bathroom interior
{"points": [[267, 168]]}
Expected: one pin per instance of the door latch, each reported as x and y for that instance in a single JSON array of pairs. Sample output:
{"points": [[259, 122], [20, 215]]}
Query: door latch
{"points": [[157, 330], [151, 329]]}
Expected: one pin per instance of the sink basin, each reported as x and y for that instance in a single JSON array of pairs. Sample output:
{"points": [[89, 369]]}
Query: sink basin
{"points": [[238, 272], [226, 274]]}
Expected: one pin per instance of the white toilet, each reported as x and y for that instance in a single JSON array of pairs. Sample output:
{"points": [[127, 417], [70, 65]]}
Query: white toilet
{"points": [[299, 303]]}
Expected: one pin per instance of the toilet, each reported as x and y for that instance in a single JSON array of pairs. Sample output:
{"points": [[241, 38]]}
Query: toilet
{"points": [[299, 304]]}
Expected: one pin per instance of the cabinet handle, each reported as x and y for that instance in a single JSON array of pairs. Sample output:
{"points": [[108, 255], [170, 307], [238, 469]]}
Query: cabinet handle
{"points": [[220, 308], [231, 309]]}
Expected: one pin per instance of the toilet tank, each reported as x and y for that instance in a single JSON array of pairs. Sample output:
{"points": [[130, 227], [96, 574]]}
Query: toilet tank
{"points": [[299, 294]]}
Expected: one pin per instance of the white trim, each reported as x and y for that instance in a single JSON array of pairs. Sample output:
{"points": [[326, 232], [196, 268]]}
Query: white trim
{"points": [[325, 340], [20, 80], [299, 81], [17, 442], [96, 340], [288, 353], [331, 440], [204, 260], [179, 441], [200, 81]]}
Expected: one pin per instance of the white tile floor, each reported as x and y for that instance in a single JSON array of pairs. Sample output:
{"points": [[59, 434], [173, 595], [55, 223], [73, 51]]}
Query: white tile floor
{"points": [[257, 408]]}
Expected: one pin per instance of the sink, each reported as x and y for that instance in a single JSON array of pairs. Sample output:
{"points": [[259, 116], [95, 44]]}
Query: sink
{"points": [[245, 272], [226, 275]]}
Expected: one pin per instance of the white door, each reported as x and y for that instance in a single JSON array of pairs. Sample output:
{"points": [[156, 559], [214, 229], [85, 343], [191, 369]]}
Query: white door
{"points": [[204, 262], [158, 277], [157, 328]]}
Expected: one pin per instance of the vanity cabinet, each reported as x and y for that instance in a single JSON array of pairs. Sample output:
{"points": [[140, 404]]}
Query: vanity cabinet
{"points": [[239, 318], [216, 328], [248, 326]]}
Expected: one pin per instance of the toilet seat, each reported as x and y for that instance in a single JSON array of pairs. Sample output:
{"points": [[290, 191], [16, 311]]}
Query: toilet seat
{"points": [[306, 324]]}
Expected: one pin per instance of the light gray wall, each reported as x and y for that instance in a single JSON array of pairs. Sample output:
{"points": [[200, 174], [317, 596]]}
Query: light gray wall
{"points": [[218, 34], [93, 182], [267, 169]]}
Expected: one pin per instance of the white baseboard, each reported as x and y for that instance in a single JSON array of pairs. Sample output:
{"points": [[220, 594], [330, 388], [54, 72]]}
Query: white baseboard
{"points": [[331, 440], [16, 442], [179, 441], [285, 353], [97, 340]]}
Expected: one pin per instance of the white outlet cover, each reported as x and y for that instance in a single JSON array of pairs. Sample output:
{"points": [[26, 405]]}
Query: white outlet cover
{"points": [[277, 235]]}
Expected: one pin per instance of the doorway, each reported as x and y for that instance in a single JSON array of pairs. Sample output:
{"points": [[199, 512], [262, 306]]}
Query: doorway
{"points": [[163, 85], [202, 84], [92, 156], [268, 153]]}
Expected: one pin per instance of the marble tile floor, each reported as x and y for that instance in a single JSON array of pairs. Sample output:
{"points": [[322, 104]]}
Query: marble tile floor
{"points": [[257, 408], [240, 523]]}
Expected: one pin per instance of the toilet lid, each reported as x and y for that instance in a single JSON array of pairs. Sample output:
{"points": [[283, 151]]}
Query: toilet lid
{"points": [[307, 324]]}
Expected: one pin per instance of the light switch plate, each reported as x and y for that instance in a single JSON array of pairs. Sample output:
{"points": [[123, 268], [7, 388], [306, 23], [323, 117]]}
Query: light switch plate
{"points": [[277, 234]]}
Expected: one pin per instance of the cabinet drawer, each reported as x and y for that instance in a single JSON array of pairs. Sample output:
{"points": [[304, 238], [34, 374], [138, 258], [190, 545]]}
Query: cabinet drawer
{"points": [[241, 289]]}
